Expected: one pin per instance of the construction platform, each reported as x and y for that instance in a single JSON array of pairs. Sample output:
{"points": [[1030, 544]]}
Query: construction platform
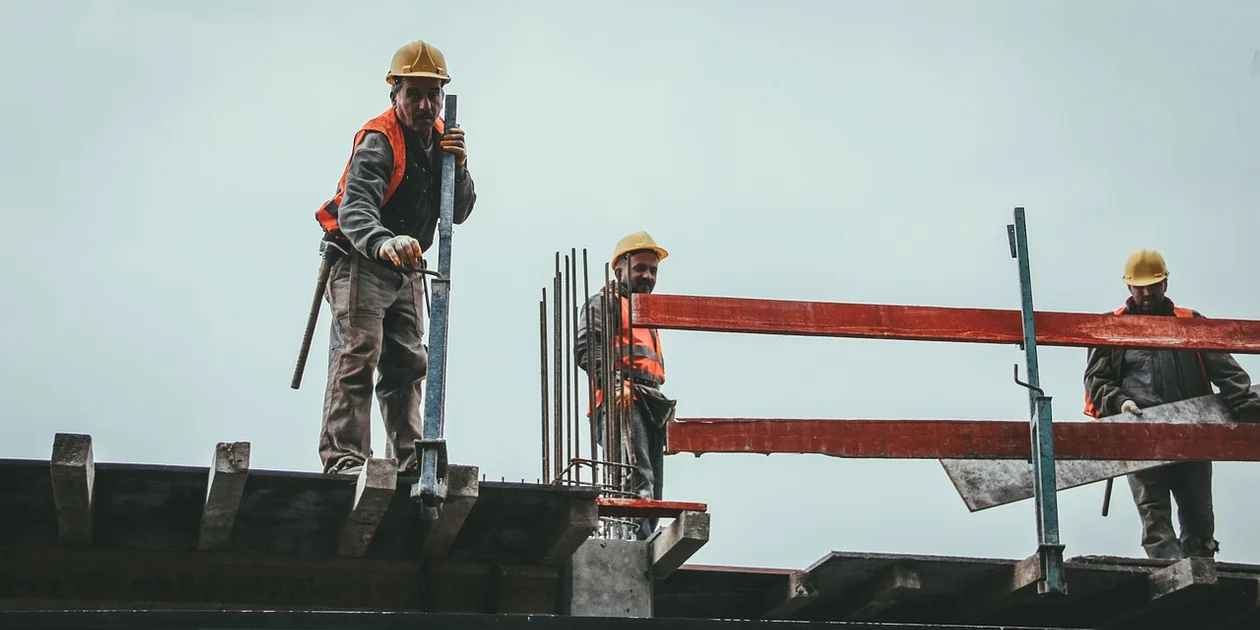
{"points": [[132, 545]]}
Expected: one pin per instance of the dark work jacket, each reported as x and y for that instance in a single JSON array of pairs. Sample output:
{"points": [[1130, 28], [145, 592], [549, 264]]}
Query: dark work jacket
{"points": [[1157, 377], [415, 207]]}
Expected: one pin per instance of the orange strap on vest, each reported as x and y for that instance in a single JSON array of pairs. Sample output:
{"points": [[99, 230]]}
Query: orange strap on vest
{"points": [[1095, 412], [386, 123]]}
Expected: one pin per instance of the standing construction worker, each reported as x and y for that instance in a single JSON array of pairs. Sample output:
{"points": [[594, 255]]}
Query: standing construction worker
{"points": [[1127, 380], [377, 228], [638, 367]]}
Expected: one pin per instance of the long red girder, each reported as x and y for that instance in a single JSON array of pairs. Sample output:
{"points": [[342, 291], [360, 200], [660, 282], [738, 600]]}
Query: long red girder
{"points": [[964, 439], [935, 323]]}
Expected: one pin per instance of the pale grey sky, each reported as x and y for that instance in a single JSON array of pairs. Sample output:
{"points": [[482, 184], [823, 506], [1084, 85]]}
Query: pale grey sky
{"points": [[164, 160]]}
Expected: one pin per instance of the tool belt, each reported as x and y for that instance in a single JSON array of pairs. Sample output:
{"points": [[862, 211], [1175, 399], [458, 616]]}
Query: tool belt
{"points": [[660, 408]]}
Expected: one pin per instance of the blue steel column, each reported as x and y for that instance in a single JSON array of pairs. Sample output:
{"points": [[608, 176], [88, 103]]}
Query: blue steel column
{"points": [[431, 489], [1049, 550]]}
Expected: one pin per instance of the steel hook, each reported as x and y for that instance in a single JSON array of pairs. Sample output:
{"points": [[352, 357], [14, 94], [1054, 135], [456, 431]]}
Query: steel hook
{"points": [[1040, 392]]}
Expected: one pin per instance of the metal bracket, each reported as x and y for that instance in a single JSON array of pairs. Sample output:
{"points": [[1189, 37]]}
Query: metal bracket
{"points": [[432, 496]]}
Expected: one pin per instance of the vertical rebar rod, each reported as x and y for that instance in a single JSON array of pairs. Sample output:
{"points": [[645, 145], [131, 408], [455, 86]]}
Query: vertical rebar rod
{"points": [[568, 359], [590, 362], [612, 437], [558, 465], [546, 420], [635, 476], [576, 425]]}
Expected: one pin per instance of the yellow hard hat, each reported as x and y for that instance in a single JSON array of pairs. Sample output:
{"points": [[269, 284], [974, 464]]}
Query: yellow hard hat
{"points": [[418, 59], [636, 241], [1144, 267]]}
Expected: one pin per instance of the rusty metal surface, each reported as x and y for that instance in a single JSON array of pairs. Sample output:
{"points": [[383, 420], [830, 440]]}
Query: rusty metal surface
{"points": [[987, 484], [629, 507], [933, 323], [963, 439]]}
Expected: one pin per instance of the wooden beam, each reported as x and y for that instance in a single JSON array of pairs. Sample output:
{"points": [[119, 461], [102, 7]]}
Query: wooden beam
{"points": [[672, 546], [1185, 578], [787, 600], [618, 507], [935, 323], [73, 473], [228, 472], [373, 494], [581, 522], [897, 585], [1012, 586], [964, 439], [462, 491]]}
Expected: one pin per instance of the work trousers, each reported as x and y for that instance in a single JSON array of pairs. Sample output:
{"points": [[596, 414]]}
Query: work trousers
{"points": [[377, 326], [1190, 483], [643, 448]]}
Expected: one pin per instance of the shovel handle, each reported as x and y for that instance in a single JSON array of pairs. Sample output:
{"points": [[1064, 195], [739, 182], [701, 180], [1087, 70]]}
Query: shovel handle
{"points": [[325, 267]]}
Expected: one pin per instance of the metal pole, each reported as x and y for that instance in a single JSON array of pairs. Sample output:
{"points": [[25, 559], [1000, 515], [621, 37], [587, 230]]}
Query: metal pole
{"points": [[556, 334], [612, 435], [542, 332], [576, 425], [568, 360], [590, 368], [630, 374], [431, 489], [1049, 549]]}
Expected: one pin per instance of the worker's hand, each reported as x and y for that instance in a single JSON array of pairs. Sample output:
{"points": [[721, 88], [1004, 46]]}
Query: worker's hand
{"points": [[623, 396], [453, 141], [1130, 407], [403, 251]]}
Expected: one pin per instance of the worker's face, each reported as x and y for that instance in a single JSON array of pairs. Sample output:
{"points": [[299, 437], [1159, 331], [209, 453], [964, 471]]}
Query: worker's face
{"points": [[641, 271], [418, 102], [1150, 298]]}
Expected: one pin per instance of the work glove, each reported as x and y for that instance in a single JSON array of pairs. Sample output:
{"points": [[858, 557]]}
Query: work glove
{"points": [[403, 251], [453, 141], [1130, 407]]}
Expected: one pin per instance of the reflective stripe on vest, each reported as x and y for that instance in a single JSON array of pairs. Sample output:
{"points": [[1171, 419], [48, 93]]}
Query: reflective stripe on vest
{"points": [[648, 357], [386, 123], [1095, 412]]}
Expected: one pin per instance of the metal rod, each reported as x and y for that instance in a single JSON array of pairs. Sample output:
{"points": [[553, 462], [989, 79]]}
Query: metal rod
{"points": [[612, 437], [590, 363], [430, 489], [635, 475], [1041, 429], [546, 419], [557, 464], [564, 365], [576, 425]]}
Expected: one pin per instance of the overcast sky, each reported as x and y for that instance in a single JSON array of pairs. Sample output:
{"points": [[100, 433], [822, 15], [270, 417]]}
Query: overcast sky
{"points": [[162, 163]]}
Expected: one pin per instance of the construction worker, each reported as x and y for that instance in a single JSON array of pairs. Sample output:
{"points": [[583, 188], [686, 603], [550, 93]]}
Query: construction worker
{"points": [[639, 368], [377, 228], [1127, 380]]}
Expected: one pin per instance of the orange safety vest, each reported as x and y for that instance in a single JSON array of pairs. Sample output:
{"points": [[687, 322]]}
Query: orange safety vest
{"points": [[1095, 412], [386, 123], [649, 360]]}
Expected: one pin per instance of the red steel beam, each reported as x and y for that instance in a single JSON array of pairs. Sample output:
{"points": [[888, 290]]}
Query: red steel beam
{"points": [[964, 439], [936, 323], [634, 508]]}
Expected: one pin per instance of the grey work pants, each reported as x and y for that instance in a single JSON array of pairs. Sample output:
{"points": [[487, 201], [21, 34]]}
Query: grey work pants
{"points": [[1190, 483], [644, 450], [377, 326]]}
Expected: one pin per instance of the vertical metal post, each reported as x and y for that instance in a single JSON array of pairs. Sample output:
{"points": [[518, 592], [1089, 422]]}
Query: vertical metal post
{"points": [[546, 443], [431, 489], [1049, 549]]}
